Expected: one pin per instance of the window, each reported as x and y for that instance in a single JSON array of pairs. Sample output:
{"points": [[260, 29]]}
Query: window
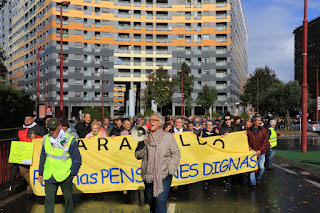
{"points": [[78, 32], [77, 81], [180, 37], [77, 94], [78, 57], [78, 7], [206, 37], [77, 69], [78, 20]]}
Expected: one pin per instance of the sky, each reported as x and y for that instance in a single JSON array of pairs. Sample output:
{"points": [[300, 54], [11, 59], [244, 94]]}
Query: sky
{"points": [[270, 26]]}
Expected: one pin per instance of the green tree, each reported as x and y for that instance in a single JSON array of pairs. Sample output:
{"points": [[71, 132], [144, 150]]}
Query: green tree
{"points": [[160, 88], [187, 84], [207, 97], [96, 112], [282, 99], [267, 77], [13, 106], [3, 68]]}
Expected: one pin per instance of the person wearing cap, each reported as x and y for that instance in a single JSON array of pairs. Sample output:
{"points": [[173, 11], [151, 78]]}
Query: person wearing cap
{"points": [[60, 161], [237, 125], [29, 130]]}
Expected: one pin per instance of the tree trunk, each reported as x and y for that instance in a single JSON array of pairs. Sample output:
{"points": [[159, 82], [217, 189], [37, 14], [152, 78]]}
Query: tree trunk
{"points": [[287, 122]]}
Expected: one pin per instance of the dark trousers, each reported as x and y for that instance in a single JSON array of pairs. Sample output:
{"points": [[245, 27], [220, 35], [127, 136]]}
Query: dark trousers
{"points": [[51, 191], [158, 204]]}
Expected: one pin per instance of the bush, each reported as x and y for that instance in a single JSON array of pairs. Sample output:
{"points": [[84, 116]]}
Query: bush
{"points": [[245, 115]]}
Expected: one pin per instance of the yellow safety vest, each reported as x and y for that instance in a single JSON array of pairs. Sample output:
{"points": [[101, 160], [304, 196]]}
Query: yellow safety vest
{"points": [[273, 138], [58, 162]]}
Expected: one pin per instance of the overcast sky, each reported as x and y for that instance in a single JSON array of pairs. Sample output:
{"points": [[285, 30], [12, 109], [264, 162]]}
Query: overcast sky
{"points": [[271, 41]]}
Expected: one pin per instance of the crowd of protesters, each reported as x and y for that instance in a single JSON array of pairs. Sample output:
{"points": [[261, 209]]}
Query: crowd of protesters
{"points": [[260, 132]]}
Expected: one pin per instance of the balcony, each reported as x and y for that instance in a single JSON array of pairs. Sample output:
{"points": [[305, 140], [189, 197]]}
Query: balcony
{"points": [[149, 28], [123, 50], [124, 39], [65, 85], [124, 3], [222, 51], [221, 28], [221, 16], [124, 27], [221, 63], [124, 74], [221, 87], [221, 75], [149, 40], [221, 4], [64, 98], [86, 61], [87, 49], [222, 98], [87, 73], [124, 15], [87, 86], [219, 40]]}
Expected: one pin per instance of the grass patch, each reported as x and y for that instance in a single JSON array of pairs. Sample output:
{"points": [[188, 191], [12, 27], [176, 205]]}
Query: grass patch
{"points": [[311, 158]]}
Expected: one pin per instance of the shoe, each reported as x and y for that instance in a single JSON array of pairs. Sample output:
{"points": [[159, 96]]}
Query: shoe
{"points": [[253, 186], [227, 186]]}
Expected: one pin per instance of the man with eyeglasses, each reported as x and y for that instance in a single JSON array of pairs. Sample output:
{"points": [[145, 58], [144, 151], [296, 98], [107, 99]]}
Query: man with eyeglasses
{"points": [[60, 161], [178, 126]]}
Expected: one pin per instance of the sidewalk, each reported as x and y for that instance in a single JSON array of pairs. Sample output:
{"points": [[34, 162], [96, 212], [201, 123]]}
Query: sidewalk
{"points": [[308, 161]]}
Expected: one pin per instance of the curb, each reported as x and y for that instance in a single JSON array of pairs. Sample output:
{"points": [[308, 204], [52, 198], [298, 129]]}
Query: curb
{"points": [[18, 186], [314, 171]]}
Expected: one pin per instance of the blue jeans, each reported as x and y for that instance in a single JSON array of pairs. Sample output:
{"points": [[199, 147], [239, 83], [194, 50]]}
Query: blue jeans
{"points": [[271, 156], [158, 204], [261, 159]]}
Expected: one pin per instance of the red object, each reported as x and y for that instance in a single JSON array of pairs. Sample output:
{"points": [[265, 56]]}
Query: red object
{"points": [[148, 126], [304, 81], [258, 94], [5, 167], [181, 91], [317, 92], [64, 3], [259, 141], [102, 92]]}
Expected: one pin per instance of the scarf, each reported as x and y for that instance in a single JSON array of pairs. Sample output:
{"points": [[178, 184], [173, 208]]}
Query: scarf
{"points": [[178, 131], [60, 141], [153, 174], [29, 126]]}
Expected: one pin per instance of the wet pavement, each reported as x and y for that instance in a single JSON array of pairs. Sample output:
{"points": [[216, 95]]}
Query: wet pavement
{"points": [[280, 191], [294, 143]]}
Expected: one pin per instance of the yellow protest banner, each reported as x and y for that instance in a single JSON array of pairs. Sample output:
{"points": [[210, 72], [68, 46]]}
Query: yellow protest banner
{"points": [[109, 164], [21, 152]]}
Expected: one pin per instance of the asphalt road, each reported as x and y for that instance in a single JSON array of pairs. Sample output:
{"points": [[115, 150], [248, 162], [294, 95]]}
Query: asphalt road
{"points": [[284, 189]]}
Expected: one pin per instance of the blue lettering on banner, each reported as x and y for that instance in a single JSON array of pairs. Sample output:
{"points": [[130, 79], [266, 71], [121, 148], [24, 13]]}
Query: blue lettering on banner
{"points": [[234, 165], [36, 178], [123, 173], [192, 169], [245, 162], [138, 172], [113, 175], [104, 176], [204, 169], [224, 167], [92, 176], [253, 161], [176, 174], [86, 177], [182, 171], [215, 168]]}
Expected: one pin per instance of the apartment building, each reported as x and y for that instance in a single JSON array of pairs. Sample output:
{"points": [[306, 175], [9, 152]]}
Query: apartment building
{"points": [[129, 39]]}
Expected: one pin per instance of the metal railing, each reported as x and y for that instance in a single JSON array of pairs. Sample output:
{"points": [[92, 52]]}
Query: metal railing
{"points": [[5, 166]]}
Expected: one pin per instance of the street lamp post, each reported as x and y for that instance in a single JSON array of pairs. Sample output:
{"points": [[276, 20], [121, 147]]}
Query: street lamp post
{"points": [[102, 91], [181, 91], [64, 3], [38, 76], [258, 94], [304, 81], [317, 90]]}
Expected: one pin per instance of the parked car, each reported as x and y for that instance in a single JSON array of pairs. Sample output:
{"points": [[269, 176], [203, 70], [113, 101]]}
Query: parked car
{"points": [[312, 126]]}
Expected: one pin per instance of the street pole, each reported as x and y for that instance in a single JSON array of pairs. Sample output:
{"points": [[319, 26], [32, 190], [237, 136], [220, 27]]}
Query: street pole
{"points": [[64, 3], [102, 92], [181, 91], [258, 94], [304, 81], [317, 92]]}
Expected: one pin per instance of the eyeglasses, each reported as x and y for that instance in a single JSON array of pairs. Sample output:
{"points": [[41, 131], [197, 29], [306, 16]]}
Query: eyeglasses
{"points": [[154, 120], [228, 119], [52, 129]]}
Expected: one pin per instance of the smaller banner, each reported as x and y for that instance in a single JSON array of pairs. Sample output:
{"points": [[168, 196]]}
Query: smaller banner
{"points": [[21, 152]]}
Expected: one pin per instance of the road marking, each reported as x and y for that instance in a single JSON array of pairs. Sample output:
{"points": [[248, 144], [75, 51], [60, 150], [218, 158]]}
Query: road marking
{"points": [[284, 169], [12, 198], [171, 208], [313, 182]]}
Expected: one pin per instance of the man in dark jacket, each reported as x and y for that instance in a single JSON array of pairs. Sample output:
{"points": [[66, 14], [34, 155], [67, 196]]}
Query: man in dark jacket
{"points": [[237, 124], [178, 127], [116, 131], [258, 141], [83, 128], [106, 125], [30, 130], [210, 130]]}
